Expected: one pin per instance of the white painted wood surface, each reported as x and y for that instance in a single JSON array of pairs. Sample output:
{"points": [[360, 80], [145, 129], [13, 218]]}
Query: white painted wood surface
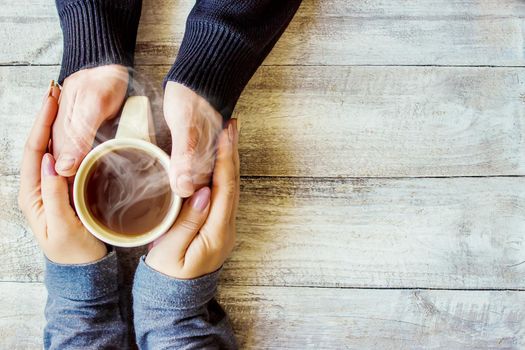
{"points": [[321, 318], [460, 233], [22, 315], [344, 121], [360, 170], [383, 121], [333, 32]]}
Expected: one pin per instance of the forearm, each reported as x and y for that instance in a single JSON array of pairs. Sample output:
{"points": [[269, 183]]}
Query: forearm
{"points": [[82, 309], [178, 314], [97, 32], [225, 43]]}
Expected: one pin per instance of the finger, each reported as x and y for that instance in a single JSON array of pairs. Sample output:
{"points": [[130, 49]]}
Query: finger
{"points": [[55, 91], [224, 184], [37, 143], [190, 220], [236, 162], [194, 126], [55, 195], [80, 128], [183, 151], [61, 128]]}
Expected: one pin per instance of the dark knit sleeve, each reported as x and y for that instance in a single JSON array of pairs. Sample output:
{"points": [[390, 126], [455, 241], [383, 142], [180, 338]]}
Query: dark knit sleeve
{"points": [[97, 33], [224, 44]]}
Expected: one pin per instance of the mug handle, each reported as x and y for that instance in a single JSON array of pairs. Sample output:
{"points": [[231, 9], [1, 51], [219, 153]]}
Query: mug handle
{"points": [[136, 120]]}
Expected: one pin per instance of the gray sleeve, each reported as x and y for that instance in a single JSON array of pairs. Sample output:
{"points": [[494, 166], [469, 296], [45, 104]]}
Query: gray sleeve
{"points": [[171, 313], [82, 309]]}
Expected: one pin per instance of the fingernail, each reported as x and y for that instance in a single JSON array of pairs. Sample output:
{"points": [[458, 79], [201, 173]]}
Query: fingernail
{"points": [[230, 131], [184, 183], [48, 168], [55, 91], [51, 86], [200, 199], [65, 163], [49, 91]]}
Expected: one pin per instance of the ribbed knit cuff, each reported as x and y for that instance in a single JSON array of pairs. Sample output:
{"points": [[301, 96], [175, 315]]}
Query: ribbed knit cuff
{"points": [[83, 281], [97, 33], [214, 62], [155, 288]]}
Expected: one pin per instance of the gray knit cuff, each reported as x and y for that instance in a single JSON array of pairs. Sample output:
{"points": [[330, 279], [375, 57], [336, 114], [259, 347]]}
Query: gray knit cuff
{"points": [[97, 33], [155, 288], [82, 281]]}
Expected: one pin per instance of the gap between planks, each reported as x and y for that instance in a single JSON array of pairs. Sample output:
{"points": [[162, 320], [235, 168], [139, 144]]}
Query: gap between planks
{"points": [[402, 177], [223, 284], [291, 177], [28, 64]]}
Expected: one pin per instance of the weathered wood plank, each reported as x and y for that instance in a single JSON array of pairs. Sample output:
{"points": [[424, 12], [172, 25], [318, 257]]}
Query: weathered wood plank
{"points": [[370, 121], [313, 318], [438, 121], [466, 233], [343, 121], [22, 315], [292, 318], [337, 32], [441, 233]]}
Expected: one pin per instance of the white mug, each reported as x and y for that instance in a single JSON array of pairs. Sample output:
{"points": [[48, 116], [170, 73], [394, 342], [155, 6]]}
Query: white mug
{"points": [[132, 132]]}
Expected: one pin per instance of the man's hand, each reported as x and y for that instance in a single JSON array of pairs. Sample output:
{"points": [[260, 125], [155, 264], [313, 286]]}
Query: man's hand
{"points": [[89, 97], [194, 126], [43, 197], [204, 234]]}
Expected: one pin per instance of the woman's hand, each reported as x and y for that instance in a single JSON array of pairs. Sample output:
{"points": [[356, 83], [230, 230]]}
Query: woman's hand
{"points": [[44, 200], [194, 126], [89, 98], [204, 234]]}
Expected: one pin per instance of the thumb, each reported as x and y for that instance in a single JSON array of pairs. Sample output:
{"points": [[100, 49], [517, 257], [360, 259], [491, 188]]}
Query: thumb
{"points": [[77, 132], [185, 142], [73, 152], [54, 194], [191, 218]]}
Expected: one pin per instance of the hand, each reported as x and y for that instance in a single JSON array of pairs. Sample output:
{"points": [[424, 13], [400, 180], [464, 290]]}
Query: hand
{"points": [[44, 201], [204, 234], [89, 97], [194, 126]]}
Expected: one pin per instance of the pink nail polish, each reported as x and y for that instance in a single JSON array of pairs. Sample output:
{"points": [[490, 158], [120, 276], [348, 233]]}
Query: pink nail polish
{"points": [[49, 91], [51, 86], [200, 199], [48, 166]]}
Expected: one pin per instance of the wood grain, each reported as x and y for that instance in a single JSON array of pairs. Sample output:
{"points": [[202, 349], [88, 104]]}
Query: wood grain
{"points": [[466, 233], [353, 165], [299, 318], [336, 32], [22, 315], [376, 121], [439, 233], [347, 121], [315, 318], [342, 121]]}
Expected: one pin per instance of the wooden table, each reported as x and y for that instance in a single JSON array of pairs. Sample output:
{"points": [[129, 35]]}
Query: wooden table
{"points": [[383, 155]]}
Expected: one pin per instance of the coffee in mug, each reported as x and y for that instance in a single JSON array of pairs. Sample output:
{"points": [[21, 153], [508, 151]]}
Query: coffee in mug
{"points": [[128, 191]]}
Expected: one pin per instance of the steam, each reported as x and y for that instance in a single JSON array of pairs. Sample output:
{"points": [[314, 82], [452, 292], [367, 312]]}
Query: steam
{"points": [[128, 191], [134, 196], [195, 153]]}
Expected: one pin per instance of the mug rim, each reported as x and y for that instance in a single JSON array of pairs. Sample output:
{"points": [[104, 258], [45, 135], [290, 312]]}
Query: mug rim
{"points": [[82, 210]]}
